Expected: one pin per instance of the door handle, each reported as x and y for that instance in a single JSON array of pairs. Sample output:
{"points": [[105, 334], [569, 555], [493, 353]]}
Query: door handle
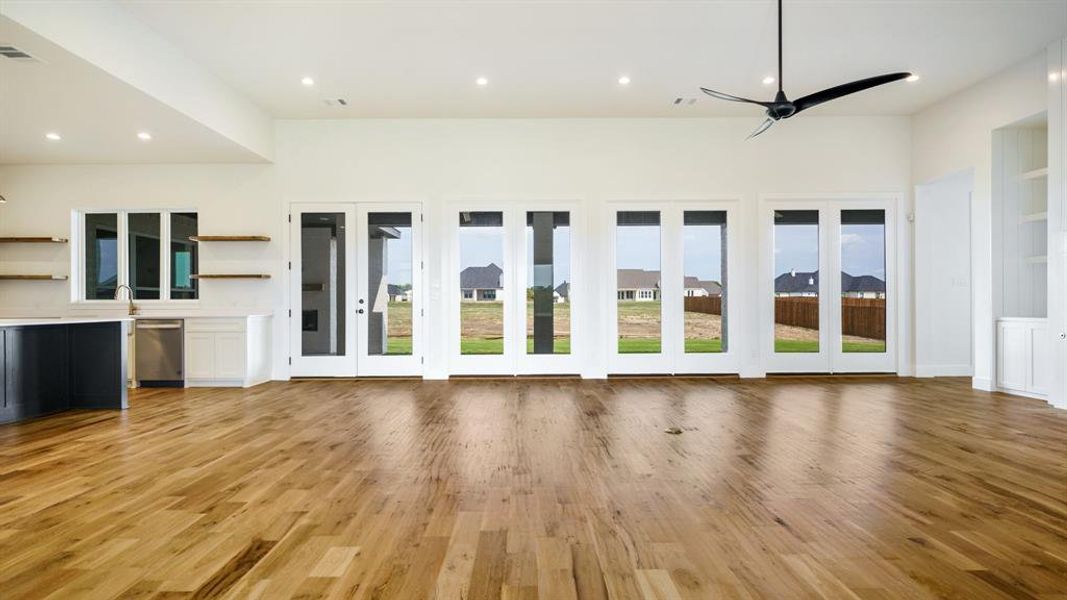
{"points": [[359, 312]]}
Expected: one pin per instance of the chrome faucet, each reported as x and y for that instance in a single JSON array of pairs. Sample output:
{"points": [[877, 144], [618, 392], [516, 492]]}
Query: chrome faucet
{"points": [[118, 290]]}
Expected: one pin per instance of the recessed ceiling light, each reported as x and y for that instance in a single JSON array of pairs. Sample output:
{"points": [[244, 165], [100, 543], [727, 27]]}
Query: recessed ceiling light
{"points": [[1053, 77], [144, 136], [768, 80], [624, 80], [55, 137], [912, 78], [308, 81], [482, 81]]}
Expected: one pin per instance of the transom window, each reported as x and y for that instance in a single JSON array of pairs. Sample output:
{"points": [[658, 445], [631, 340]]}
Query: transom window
{"points": [[151, 252]]}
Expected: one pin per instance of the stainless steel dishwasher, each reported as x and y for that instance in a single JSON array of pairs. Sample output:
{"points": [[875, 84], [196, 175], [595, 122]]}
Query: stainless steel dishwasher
{"points": [[159, 346]]}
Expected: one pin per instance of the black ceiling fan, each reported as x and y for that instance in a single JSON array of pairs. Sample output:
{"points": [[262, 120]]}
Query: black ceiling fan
{"points": [[783, 108]]}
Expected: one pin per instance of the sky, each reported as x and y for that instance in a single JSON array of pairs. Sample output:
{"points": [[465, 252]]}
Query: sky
{"points": [[479, 246], [398, 257], [638, 247], [796, 247]]}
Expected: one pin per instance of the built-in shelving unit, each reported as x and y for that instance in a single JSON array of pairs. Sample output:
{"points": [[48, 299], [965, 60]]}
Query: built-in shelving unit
{"points": [[230, 238], [1020, 256], [231, 276], [33, 240], [37, 277]]}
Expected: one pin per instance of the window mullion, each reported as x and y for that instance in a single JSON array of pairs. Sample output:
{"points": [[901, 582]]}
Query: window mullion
{"points": [[164, 255]]}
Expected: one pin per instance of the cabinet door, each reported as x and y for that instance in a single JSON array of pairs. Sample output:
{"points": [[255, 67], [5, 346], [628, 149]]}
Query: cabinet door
{"points": [[1040, 365], [229, 356], [1012, 356], [200, 355]]}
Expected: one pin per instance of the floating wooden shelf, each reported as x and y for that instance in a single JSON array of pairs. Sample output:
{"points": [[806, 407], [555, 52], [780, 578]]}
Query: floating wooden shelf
{"points": [[1035, 174], [33, 240], [1034, 217], [33, 277], [230, 238], [231, 276]]}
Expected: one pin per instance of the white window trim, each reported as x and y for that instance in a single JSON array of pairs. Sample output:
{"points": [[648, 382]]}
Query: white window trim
{"points": [[77, 250]]}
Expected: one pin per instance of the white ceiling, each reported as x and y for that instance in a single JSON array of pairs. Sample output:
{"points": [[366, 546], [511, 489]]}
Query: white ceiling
{"points": [[97, 115], [563, 59]]}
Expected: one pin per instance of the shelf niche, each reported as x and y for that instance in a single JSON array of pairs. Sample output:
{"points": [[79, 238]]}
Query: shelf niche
{"points": [[1020, 209]]}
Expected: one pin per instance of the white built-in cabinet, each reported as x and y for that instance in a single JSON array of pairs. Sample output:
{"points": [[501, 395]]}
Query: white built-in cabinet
{"points": [[1021, 234], [227, 351], [1023, 356]]}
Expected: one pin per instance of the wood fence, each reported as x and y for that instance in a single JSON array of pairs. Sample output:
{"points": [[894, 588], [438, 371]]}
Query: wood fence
{"points": [[861, 317]]}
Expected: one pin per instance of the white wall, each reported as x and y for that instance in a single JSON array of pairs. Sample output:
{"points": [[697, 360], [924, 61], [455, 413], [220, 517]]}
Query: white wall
{"points": [[956, 135], [439, 162]]}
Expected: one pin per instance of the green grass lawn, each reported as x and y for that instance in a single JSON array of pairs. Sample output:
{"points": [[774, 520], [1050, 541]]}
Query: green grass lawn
{"points": [[813, 346], [399, 346], [480, 346]]}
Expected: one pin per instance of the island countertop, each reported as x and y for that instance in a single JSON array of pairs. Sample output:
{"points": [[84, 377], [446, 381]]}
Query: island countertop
{"points": [[33, 321]]}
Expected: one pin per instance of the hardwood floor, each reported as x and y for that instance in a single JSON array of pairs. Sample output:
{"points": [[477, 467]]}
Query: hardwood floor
{"points": [[782, 488]]}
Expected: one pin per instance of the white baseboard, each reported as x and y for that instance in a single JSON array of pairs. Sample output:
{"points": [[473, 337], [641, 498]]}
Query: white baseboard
{"points": [[943, 371], [982, 383]]}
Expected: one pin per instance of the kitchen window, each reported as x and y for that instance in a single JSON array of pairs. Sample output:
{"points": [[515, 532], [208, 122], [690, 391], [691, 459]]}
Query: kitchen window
{"points": [[150, 251]]}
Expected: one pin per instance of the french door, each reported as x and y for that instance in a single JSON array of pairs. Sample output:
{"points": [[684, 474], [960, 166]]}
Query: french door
{"points": [[515, 288], [827, 286], [356, 289], [668, 288]]}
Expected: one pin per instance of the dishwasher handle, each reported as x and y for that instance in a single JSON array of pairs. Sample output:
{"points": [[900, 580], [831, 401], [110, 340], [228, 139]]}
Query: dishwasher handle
{"points": [[159, 326]]}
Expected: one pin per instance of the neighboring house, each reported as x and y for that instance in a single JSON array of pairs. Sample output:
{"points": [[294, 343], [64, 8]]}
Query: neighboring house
{"points": [[562, 293], [863, 286], [480, 284], [399, 294], [807, 284], [697, 288], [638, 285]]}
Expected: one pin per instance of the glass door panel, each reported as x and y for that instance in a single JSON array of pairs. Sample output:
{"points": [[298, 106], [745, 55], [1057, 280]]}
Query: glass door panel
{"points": [[863, 281], [796, 281], [639, 312], [322, 293], [481, 283], [548, 283], [704, 284], [389, 305]]}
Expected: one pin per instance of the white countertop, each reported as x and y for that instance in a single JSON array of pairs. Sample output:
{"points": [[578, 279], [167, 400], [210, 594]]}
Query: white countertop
{"points": [[11, 322]]}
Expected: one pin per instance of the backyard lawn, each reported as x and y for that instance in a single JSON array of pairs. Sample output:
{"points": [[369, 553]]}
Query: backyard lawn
{"points": [[482, 331]]}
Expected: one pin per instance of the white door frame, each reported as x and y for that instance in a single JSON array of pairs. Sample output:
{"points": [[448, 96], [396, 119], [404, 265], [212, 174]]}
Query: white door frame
{"points": [[557, 364], [830, 358], [343, 365], [672, 357], [385, 365], [479, 364]]}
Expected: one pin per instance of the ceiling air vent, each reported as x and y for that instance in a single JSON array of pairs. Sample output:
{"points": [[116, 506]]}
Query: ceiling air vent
{"points": [[14, 53], [682, 101], [339, 102]]}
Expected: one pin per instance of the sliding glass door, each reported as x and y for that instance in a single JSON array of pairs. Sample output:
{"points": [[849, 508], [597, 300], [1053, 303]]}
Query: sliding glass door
{"points": [[668, 288], [836, 323]]}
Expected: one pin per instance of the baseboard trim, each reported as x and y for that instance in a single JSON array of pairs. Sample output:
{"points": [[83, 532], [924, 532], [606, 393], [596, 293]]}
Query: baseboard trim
{"points": [[982, 383], [943, 371]]}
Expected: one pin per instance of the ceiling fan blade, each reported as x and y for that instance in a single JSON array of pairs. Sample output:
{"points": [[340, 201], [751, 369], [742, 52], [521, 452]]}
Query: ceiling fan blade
{"points": [[764, 127], [728, 97], [845, 89]]}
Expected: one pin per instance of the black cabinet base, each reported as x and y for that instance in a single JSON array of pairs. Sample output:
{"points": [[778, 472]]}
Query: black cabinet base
{"points": [[52, 368]]}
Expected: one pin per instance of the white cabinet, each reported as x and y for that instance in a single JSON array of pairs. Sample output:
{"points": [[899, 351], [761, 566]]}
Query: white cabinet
{"points": [[227, 351], [1023, 361]]}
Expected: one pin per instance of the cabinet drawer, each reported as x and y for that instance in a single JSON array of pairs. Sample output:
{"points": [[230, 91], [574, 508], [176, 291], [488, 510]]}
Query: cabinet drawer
{"points": [[211, 325]]}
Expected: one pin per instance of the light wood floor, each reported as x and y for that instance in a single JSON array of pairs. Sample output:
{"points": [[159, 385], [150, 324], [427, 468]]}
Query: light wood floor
{"points": [[789, 488]]}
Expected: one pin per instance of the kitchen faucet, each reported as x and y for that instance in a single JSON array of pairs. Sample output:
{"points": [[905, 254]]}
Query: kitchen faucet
{"points": [[118, 290]]}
